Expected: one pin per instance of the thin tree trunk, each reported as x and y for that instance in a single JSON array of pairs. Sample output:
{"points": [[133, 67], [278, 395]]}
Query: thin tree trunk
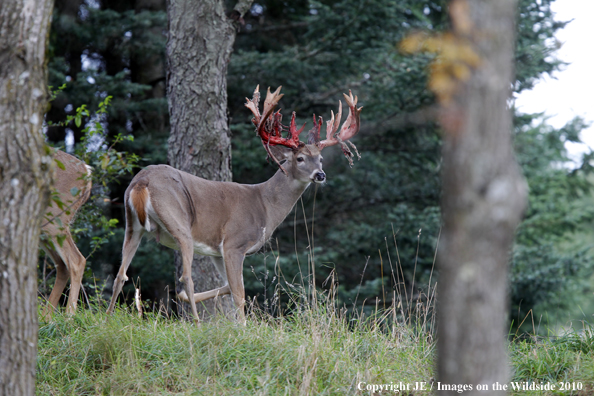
{"points": [[201, 38], [24, 185], [483, 199]]}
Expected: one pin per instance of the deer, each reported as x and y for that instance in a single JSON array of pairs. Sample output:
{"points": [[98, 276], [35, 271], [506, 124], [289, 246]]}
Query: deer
{"points": [[225, 220], [73, 188]]}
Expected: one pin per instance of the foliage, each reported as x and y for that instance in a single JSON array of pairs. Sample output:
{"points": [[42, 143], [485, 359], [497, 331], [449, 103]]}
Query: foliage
{"points": [[107, 163], [536, 46], [114, 48], [544, 274]]}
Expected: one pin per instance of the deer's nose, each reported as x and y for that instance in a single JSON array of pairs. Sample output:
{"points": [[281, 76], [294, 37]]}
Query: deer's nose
{"points": [[319, 177]]}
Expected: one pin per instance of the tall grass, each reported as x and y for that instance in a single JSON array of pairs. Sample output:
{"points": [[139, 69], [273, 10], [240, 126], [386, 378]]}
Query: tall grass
{"points": [[315, 350]]}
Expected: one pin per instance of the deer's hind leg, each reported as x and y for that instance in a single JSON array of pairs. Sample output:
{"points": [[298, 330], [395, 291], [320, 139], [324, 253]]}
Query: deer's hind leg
{"points": [[220, 291], [61, 280], [131, 243], [76, 264], [70, 263]]}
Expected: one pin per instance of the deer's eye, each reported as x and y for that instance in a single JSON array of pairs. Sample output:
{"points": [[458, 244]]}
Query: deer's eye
{"points": [[300, 159]]}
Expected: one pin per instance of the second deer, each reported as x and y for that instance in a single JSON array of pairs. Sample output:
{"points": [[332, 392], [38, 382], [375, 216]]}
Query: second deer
{"points": [[73, 186], [226, 220]]}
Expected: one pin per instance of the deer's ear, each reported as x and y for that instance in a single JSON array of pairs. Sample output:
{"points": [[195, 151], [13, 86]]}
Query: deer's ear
{"points": [[281, 153]]}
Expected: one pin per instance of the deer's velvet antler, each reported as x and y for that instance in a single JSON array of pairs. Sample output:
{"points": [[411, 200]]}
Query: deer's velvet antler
{"points": [[349, 129], [269, 127]]}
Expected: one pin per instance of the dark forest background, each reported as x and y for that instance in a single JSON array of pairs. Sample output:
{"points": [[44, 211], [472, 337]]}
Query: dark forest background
{"points": [[382, 213]]}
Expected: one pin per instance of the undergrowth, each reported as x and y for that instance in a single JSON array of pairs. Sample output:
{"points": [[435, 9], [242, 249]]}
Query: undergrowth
{"points": [[315, 351]]}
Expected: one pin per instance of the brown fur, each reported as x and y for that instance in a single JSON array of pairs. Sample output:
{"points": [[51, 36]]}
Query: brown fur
{"points": [[138, 198], [69, 262]]}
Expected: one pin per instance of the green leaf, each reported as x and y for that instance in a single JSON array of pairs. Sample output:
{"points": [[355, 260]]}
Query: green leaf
{"points": [[60, 239], [60, 164], [105, 161], [58, 202], [74, 191]]}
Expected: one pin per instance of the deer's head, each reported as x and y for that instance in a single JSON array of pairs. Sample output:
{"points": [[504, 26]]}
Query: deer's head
{"points": [[302, 161], [303, 164]]}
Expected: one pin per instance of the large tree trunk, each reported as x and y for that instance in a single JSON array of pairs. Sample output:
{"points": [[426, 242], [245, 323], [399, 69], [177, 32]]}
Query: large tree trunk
{"points": [[201, 38], [24, 185], [483, 200]]}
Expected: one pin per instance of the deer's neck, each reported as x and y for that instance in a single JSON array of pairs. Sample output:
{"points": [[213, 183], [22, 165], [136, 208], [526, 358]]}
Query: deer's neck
{"points": [[280, 194]]}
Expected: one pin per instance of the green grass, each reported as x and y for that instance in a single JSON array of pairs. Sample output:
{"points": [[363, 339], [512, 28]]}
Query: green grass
{"points": [[314, 352], [567, 359]]}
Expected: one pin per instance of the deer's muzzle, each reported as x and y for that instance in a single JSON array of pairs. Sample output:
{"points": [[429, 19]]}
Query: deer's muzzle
{"points": [[319, 177]]}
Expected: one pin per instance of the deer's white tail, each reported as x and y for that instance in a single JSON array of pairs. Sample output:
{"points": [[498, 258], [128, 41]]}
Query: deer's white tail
{"points": [[139, 201]]}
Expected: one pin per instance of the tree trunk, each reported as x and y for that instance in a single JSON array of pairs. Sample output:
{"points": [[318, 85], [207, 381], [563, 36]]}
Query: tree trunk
{"points": [[483, 199], [24, 185], [199, 46]]}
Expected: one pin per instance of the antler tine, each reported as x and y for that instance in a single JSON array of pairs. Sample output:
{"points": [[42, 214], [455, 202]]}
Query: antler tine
{"points": [[348, 130], [351, 125], [313, 137], [270, 103], [253, 105], [334, 123], [293, 132]]}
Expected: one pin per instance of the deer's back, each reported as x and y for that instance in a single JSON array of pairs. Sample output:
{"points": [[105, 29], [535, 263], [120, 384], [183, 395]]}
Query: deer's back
{"points": [[212, 210], [74, 188]]}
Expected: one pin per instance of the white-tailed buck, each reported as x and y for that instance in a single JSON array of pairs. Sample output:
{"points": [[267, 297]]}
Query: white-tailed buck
{"points": [[73, 186], [225, 220]]}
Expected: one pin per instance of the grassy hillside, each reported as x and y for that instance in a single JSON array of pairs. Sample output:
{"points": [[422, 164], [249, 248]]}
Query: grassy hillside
{"points": [[317, 350], [308, 353]]}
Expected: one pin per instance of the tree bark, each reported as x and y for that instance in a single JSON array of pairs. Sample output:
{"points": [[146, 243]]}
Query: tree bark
{"points": [[484, 196], [199, 46], [24, 185]]}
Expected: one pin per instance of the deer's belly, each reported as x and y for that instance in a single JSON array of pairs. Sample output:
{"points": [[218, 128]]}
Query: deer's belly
{"points": [[165, 239], [205, 250]]}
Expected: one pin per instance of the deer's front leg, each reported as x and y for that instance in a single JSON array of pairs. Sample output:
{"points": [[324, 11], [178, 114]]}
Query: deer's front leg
{"points": [[234, 269]]}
